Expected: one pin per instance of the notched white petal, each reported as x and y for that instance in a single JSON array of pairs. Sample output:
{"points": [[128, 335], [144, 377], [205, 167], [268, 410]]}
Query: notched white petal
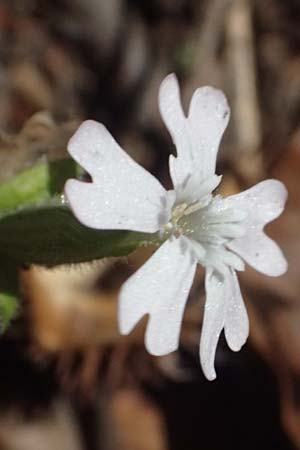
{"points": [[175, 120], [123, 195], [197, 137], [172, 113], [237, 323], [159, 288], [264, 202], [209, 104], [224, 308], [260, 252], [213, 321], [208, 118]]}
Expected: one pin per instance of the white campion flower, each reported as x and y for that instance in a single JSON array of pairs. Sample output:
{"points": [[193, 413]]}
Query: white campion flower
{"points": [[195, 226]]}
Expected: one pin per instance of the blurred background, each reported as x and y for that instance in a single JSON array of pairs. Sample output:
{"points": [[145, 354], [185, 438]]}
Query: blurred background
{"points": [[68, 381]]}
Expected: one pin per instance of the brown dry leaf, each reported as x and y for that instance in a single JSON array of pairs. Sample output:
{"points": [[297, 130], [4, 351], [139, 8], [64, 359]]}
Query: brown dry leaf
{"points": [[55, 429], [138, 422], [65, 315], [41, 137], [29, 82], [68, 313]]}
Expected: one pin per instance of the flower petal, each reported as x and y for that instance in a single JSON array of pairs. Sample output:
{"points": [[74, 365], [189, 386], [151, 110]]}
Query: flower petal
{"points": [[260, 252], [208, 118], [196, 138], [236, 324], [213, 321], [263, 202], [159, 288], [224, 308], [172, 114], [123, 195]]}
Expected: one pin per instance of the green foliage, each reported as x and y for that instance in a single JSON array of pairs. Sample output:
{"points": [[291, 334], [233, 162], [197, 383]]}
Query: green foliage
{"points": [[37, 227], [37, 184], [9, 298], [48, 234], [8, 309]]}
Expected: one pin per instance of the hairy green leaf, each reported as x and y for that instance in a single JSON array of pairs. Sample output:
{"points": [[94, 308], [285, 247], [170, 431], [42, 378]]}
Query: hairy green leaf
{"points": [[9, 305], [37, 227], [9, 298], [37, 184], [49, 234]]}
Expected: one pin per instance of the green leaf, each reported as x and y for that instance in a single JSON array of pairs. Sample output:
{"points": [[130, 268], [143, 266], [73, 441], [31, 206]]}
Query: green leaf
{"points": [[50, 235], [36, 227], [9, 305], [37, 184], [9, 298], [34, 186]]}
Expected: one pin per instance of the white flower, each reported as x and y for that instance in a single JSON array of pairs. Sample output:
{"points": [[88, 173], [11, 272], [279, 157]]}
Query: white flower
{"points": [[196, 227]]}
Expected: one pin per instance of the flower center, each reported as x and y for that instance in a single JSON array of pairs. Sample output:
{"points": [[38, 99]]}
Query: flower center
{"points": [[177, 225], [209, 223]]}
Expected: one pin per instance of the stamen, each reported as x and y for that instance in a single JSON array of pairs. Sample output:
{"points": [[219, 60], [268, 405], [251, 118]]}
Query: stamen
{"points": [[178, 212], [192, 208]]}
